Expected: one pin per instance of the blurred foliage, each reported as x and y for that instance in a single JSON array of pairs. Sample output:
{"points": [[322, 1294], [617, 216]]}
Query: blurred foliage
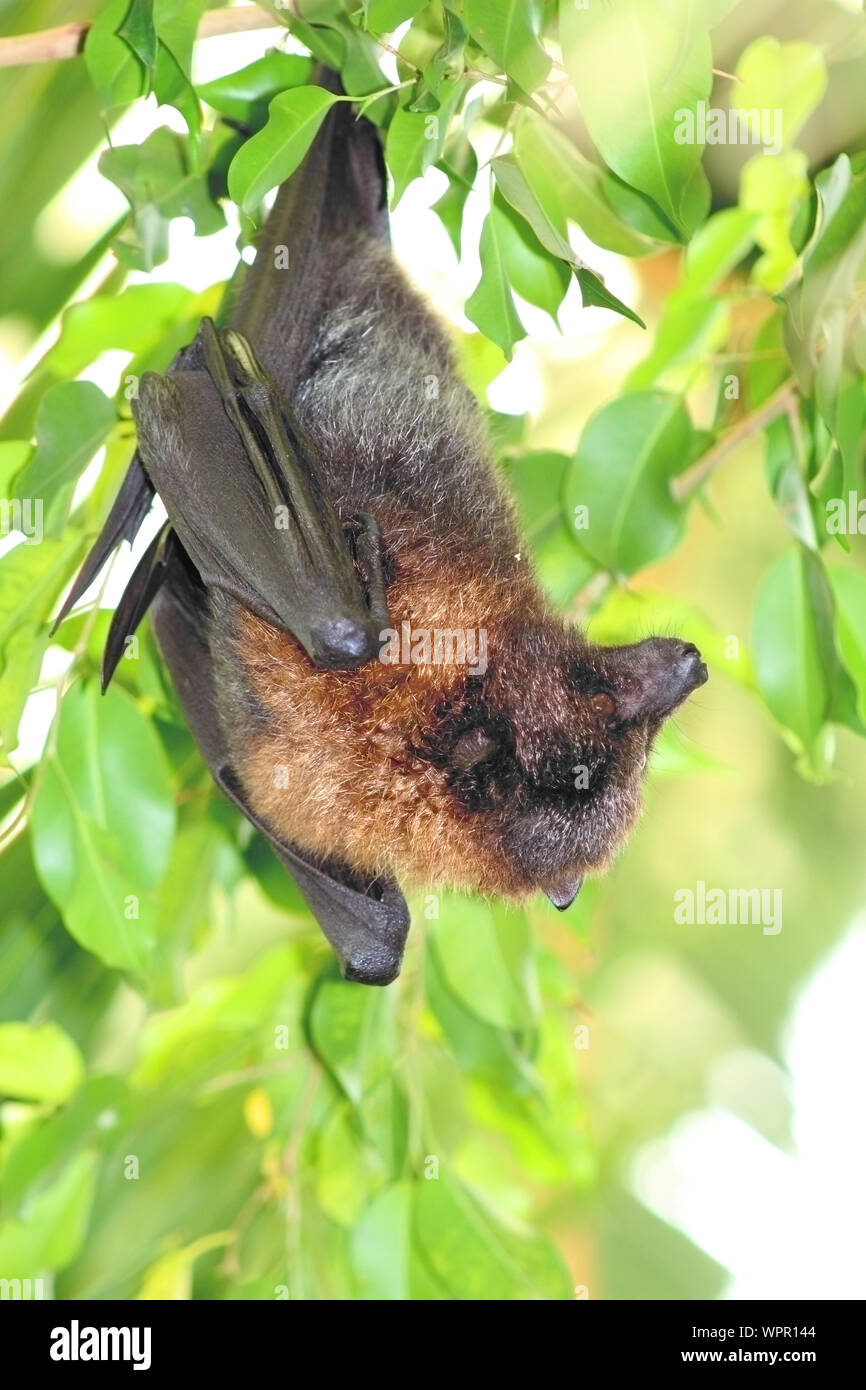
{"points": [[193, 1103]]}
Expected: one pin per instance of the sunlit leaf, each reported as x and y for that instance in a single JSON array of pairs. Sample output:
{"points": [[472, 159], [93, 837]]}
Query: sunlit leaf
{"points": [[38, 1062], [268, 158], [627, 455], [640, 122], [102, 825]]}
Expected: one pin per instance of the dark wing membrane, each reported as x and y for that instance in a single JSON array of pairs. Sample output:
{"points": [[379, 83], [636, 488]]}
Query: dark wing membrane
{"points": [[247, 497], [304, 583], [366, 929], [149, 575], [339, 188], [131, 506]]}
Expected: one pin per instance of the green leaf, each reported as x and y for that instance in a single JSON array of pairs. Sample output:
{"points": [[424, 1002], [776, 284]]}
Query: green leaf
{"points": [[771, 188], [413, 144], [532, 273], [490, 306], [383, 16], [849, 590], [135, 320], [446, 65], [567, 185], [832, 277], [416, 139], [177, 22], [50, 1233], [508, 31], [486, 959], [244, 96], [348, 1174], [119, 74], [512, 183], [461, 166], [160, 184], [349, 1029], [688, 333], [386, 1263], [72, 422], [627, 455], [115, 70], [139, 31], [663, 68], [595, 292], [268, 158], [798, 668], [170, 1277], [785, 78], [102, 825], [477, 1254], [38, 1062], [478, 1046], [381, 1246], [31, 577]]}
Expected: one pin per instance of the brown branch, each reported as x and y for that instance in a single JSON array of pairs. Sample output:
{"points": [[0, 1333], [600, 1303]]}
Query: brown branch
{"points": [[67, 40], [777, 404]]}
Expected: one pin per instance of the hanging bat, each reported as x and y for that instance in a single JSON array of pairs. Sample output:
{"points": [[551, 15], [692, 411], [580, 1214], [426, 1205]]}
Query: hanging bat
{"points": [[332, 506]]}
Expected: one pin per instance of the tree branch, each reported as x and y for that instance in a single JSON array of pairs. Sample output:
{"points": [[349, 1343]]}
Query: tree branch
{"points": [[67, 40], [777, 404]]}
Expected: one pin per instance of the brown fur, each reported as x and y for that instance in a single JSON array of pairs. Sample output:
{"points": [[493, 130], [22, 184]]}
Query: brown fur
{"points": [[343, 739]]}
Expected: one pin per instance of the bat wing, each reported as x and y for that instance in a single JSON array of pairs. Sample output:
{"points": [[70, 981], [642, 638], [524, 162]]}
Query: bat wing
{"points": [[367, 929], [131, 506], [248, 506], [339, 188], [219, 442], [247, 495]]}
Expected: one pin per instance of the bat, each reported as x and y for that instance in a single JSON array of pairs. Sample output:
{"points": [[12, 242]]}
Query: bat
{"points": [[342, 598]]}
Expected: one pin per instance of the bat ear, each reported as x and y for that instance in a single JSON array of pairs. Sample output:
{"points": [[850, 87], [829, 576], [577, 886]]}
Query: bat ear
{"points": [[473, 748]]}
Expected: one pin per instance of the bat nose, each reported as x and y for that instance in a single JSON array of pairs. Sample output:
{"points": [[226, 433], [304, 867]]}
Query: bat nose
{"points": [[692, 670], [343, 642], [563, 893]]}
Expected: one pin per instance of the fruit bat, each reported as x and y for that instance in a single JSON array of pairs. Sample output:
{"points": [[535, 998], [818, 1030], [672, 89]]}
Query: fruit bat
{"points": [[328, 485]]}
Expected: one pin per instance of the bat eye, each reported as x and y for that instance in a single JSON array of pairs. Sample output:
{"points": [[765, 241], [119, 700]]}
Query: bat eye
{"points": [[473, 748], [604, 704]]}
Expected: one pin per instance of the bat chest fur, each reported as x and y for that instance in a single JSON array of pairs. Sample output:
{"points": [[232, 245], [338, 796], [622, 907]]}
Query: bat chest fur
{"points": [[334, 761]]}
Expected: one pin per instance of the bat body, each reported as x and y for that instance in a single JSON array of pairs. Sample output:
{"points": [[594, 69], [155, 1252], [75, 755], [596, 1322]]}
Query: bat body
{"points": [[343, 599]]}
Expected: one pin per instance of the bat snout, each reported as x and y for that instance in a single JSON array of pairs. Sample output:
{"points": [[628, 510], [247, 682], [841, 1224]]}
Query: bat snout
{"points": [[689, 671], [654, 676]]}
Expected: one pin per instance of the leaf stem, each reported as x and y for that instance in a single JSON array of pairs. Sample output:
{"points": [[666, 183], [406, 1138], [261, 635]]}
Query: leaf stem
{"points": [[67, 40], [778, 404]]}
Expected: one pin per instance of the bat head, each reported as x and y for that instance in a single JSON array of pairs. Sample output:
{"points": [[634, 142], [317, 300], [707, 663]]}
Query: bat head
{"points": [[544, 753]]}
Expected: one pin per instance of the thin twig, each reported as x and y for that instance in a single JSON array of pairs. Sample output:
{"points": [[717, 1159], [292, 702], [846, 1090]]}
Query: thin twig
{"points": [[67, 40], [776, 405]]}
